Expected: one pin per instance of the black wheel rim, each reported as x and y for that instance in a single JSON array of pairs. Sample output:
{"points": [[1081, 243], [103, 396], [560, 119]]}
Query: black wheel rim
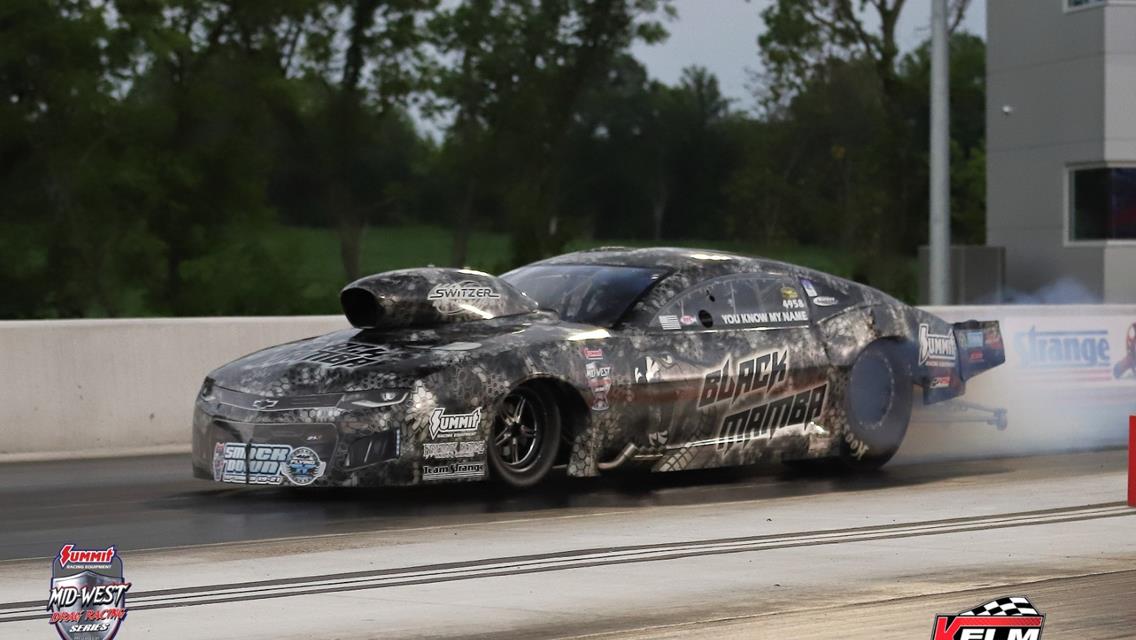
{"points": [[873, 384], [518, 432]]}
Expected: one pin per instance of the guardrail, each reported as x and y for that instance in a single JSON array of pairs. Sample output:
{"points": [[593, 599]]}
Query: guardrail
{"points": [[88, 388]]}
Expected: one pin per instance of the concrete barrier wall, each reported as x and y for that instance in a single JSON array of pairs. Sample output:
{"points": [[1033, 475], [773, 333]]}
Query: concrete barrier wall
{"points": [[80, 388]]}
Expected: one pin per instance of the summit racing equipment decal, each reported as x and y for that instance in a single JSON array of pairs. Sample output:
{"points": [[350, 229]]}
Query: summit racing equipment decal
{"points": [[936, 350], [87, 600], [454, 424], [761, 373], [241, 463], [763, 420], [348, 355], [453, 298], [1013, 618]]}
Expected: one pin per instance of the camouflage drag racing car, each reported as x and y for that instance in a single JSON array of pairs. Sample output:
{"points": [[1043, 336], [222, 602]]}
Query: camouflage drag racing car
{"points": [[669, 359]]}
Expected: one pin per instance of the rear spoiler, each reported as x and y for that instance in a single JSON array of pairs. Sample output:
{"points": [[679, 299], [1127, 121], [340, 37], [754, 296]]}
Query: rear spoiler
{"points": [[980, 347]]}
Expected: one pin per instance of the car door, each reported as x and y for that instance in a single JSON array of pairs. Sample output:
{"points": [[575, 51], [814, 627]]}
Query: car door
{"points": [[732, 372]]}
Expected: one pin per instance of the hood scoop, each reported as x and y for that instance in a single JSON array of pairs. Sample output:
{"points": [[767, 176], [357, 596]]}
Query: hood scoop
{"points": [[412, 298]]}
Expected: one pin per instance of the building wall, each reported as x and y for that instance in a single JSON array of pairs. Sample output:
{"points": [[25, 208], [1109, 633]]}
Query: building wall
{"points": [[1070, 78], [1048, 66]]}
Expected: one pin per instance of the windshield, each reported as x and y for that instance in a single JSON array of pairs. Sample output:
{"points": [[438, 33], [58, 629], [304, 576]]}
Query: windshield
{"points": [[588, 294]]}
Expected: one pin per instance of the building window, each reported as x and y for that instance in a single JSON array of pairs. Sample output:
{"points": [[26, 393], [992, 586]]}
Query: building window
{"points": [[1103, 203]]}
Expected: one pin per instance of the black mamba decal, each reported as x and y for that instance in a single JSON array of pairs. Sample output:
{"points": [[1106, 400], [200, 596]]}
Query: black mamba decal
{"points": [[763, 420], [759, 373]]}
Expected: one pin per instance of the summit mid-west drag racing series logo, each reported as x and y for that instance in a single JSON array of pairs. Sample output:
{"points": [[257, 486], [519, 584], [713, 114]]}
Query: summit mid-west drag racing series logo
{"points": [[88, 593], [1013, 618]]}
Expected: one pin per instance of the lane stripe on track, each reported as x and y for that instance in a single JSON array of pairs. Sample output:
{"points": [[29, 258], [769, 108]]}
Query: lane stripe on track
{"points": [[572, 559]]}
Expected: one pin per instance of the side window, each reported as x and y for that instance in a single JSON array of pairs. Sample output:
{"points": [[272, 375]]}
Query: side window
{"points": [[748, 301]]}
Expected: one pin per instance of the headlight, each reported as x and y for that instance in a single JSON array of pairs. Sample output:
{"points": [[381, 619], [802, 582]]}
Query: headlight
{"points": [[372, 399], [206, 392]]}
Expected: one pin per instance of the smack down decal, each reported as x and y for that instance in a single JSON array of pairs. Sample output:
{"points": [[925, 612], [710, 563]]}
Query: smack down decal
{"points": [[88, 593]]}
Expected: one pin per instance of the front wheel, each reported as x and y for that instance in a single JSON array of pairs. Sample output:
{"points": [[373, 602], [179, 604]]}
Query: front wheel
{"points": [[525, 436], [878, 406]]}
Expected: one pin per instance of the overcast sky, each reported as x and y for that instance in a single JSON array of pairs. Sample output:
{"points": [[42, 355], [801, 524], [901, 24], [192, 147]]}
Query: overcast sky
{"points": [[721, 35]]}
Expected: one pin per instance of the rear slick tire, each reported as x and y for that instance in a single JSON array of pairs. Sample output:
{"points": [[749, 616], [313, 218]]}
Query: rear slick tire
{"points": [[878, 406]]}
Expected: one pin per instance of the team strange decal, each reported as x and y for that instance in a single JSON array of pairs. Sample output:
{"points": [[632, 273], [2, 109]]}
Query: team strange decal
{"points": [[266, 464]]}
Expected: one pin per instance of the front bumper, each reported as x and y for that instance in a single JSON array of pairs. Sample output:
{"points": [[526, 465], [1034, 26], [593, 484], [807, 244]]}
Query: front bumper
{"points": [[302, 447]]}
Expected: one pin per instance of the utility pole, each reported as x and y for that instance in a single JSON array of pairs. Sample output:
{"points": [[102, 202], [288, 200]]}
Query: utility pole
{"points": [[940, 226]]}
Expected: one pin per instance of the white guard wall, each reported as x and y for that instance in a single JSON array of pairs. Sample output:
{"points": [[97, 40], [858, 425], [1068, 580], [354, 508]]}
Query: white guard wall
{"points": [[83, 388]]}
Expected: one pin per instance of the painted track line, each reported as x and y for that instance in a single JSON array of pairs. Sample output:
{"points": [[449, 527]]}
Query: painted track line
{"points": [[573, 559]]}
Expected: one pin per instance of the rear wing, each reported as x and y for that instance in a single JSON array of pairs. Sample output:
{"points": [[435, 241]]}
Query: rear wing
{"points": [[980, 347], [947, 360]]}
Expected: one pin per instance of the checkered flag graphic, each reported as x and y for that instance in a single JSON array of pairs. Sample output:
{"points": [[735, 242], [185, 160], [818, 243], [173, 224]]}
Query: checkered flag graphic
{"points": [[1015, 606]]}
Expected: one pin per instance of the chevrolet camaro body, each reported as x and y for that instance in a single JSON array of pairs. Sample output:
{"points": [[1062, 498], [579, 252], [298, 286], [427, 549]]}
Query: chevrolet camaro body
{"points": [[667, 358]]}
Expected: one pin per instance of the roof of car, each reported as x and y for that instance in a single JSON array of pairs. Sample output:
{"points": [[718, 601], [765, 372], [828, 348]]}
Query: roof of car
{"points": [[674, 258]]}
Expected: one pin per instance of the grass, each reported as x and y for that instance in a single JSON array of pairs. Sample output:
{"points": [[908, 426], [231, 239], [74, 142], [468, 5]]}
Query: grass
{"points": [[311, 261]]}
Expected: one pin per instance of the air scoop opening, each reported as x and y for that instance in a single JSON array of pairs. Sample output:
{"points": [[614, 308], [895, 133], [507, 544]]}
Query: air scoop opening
{"points": [[361, 308], [429, 297]]}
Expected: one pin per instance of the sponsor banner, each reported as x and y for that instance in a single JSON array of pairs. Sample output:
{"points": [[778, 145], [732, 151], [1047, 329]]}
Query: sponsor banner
{"points": [[87, 600], [452, 425], [453, 470], [267, 464]]}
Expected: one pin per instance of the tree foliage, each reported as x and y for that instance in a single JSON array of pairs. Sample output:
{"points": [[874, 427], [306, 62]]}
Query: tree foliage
{"points": [[154, 150]]}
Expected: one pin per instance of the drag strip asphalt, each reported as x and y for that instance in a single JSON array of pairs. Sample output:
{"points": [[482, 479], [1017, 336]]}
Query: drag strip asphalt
{"points": [[497, 567], [152, 502], [742, 553]]}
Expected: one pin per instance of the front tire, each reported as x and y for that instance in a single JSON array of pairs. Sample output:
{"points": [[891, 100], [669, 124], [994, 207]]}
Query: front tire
{"points": [[525, 436], [878, 406]]}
